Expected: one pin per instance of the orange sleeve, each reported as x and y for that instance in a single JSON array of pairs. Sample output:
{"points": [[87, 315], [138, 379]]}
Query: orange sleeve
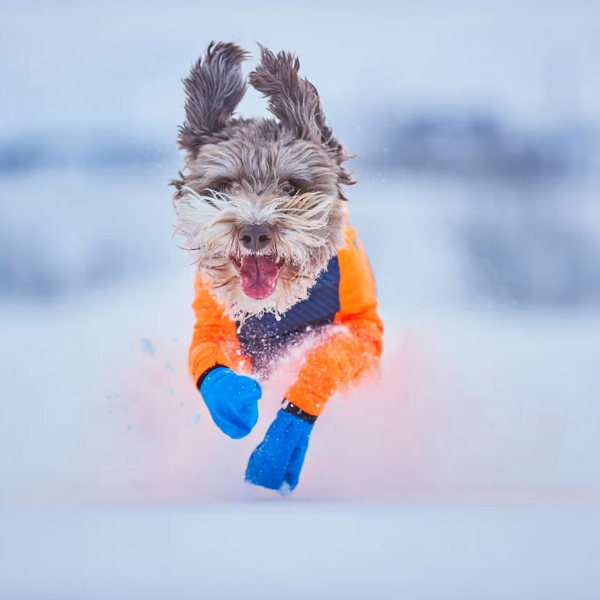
{"points": [[214, 340], [354, 348]]}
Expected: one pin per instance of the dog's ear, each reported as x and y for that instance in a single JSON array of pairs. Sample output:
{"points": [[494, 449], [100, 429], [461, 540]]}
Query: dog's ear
{"points": [[213, 90], [295, 102]]}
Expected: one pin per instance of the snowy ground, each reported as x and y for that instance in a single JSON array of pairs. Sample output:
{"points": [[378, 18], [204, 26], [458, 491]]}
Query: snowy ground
{"points": [[302, 550]]}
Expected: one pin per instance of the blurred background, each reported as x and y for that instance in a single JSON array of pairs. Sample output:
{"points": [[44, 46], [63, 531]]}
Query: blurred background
{"points": [[476, 127]]}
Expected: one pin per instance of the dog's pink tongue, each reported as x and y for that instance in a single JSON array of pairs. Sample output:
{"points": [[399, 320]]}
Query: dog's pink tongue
{"points": [[258, 275]]}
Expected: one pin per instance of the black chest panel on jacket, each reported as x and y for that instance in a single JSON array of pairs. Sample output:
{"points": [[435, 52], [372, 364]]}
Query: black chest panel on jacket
{"points": [[264, 339]]}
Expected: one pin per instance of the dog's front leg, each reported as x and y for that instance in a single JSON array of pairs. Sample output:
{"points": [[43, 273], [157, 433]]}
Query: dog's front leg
{"points": [[277, 461], [351, 351], [217, 366], [232, 400]]}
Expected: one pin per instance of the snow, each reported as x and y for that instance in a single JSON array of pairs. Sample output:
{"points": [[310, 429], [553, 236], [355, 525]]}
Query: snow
{"points": [[301, 550], [146, 347]]}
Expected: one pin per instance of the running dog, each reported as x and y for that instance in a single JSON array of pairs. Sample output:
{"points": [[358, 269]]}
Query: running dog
{"points": [[262, 212]]}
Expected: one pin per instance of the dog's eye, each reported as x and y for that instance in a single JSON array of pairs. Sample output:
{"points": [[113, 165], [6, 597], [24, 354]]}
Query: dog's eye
{"points": [[289, 188], [220, 186]]}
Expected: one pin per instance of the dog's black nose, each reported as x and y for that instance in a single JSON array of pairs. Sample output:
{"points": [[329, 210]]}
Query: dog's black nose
{"points": [[256, 237]]}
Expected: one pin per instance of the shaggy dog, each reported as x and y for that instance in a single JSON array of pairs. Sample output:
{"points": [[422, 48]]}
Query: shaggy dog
{"points": [[261, 209]]}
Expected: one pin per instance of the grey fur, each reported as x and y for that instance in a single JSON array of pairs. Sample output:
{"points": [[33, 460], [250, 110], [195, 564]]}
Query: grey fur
{"points": [[213, 90], [295, 102]]}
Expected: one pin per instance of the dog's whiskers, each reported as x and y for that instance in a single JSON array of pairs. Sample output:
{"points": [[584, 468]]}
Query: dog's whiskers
{"points": [[224, 283]]}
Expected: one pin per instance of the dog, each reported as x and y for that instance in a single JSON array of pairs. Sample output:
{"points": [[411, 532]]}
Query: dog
{"points": [[261, 209]]}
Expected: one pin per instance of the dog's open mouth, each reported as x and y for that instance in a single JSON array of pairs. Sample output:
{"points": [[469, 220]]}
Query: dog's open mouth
{"points": [[258, 274]]}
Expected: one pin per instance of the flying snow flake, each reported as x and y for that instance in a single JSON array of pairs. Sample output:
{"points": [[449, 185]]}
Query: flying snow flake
{"points": [[170, 391], [169, 367], [147, 348], [195, 418]]}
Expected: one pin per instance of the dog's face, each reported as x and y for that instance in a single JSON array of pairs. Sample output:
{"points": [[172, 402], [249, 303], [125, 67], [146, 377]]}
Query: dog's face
{"points": [[259, 201]]}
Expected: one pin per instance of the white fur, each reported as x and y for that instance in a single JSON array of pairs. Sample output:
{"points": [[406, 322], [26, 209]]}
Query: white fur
{"points": [[303, 237]]}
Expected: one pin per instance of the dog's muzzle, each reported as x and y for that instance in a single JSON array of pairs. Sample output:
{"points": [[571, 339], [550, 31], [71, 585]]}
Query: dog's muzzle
{"points": [[258, 272]]}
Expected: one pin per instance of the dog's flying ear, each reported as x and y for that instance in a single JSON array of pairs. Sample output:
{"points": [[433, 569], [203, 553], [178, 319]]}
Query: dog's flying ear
{"points": [[295, 102], [213, 90]]}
